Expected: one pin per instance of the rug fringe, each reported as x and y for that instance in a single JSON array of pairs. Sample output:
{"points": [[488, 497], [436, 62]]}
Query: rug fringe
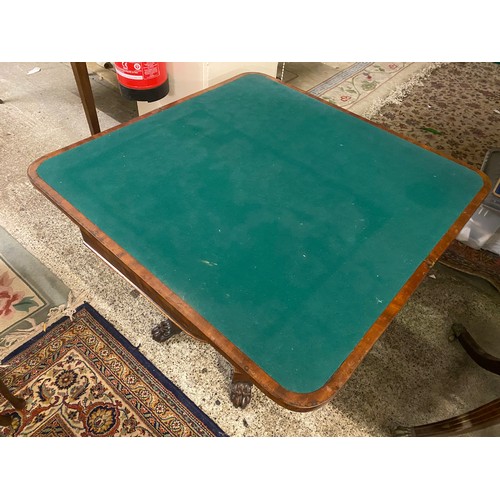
{"points": [[55, 314], [402, 90]]}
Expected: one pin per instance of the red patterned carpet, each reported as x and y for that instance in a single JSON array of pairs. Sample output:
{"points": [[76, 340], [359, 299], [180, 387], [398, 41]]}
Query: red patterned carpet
{"points": [[83, 378]]}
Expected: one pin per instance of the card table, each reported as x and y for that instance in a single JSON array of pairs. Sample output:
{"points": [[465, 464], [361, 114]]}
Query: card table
{"points": [[282, 230]]}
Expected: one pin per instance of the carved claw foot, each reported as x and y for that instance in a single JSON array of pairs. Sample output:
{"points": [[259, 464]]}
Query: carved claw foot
{"points": [[241, 393], [164, 331]]}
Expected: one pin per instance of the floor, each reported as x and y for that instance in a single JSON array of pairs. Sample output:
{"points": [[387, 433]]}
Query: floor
{"points": [[412, 375]]}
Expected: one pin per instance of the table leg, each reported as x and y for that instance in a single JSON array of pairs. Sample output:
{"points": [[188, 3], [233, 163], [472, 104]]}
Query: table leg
{"points": [[480, 418], [241, 385], [165, 330], [241, 389]]}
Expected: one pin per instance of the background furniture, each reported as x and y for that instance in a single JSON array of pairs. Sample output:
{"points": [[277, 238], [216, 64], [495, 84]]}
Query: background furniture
{"points": [[185, 79], [474, 420], [81, 74]]}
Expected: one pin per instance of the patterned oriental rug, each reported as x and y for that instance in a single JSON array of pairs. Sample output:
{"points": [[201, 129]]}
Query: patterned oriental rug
{"points": [[83, 378]]}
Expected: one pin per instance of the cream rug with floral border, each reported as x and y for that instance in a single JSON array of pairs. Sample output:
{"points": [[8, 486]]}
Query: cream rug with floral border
{"points": [[31, 296], [361, 87]]}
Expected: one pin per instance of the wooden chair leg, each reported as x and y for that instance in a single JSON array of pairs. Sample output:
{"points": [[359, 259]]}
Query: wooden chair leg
{"points": [[85, 90], [5, 420], [475, 351], [474, 420], [480, 418], [17, 403]]}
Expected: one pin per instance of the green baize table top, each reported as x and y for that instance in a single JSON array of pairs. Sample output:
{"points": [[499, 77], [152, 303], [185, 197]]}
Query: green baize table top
{"points": [[288, 224]]}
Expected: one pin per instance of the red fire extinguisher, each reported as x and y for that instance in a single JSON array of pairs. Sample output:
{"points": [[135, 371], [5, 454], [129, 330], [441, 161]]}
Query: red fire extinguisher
{"points": [[142, 81]]}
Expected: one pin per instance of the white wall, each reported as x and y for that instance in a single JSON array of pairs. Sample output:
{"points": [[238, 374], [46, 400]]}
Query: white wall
{"points": [[188, 78]]}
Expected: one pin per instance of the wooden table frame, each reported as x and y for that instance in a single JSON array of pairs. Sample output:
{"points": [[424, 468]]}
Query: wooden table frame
{"points": [[247, 371]]}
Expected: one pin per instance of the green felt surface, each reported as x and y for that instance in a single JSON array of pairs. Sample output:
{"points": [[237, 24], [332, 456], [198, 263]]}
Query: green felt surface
{"points": [[289, 225]]}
